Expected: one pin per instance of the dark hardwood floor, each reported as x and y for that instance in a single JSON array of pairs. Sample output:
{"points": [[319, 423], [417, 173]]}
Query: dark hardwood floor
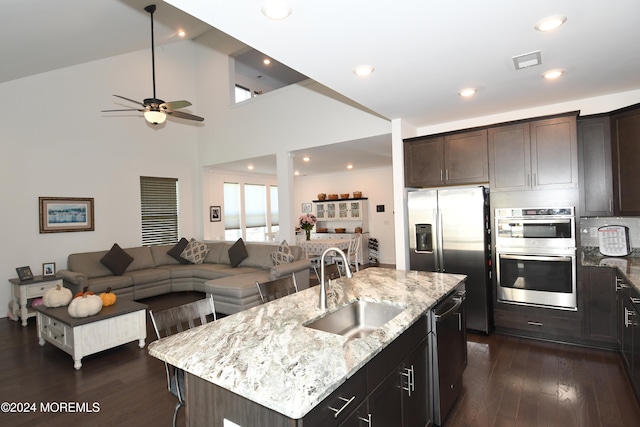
{"points": [[508, 382], [513, 381]]}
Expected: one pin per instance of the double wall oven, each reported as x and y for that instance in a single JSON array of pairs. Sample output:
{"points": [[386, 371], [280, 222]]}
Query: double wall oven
{"points": [[536, 257]]}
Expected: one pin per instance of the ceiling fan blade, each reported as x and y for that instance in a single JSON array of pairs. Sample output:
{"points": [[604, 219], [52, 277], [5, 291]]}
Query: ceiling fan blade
{"points": [[130, 100], [127, 109], [174, 105], [183, 115]]}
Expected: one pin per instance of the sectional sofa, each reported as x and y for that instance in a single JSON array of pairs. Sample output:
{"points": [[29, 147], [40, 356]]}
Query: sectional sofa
{"points": [[154, 271]]}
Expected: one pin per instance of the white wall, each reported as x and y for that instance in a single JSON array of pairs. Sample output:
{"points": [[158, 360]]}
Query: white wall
{"points": [[55, 142], [375, 184]]}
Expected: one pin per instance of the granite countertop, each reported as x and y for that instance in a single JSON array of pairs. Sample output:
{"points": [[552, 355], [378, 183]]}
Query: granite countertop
{"points": [[629, 265], [265, 354]]}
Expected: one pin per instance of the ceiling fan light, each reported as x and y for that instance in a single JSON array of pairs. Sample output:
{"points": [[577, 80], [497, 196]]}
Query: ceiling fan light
{"points": [[155, 117]]}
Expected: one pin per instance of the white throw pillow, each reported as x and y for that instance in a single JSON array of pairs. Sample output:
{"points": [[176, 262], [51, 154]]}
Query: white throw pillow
{"points": [[283, 254], [195, 252]]}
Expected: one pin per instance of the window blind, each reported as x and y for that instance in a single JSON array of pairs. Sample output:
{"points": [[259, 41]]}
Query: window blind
{"points": [[255, 205], [231, 206], [159, 207]]}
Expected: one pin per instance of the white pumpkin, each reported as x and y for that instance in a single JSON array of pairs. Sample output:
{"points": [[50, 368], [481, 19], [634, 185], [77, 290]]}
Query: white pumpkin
{"points": [[57, 297], [85, 306]]}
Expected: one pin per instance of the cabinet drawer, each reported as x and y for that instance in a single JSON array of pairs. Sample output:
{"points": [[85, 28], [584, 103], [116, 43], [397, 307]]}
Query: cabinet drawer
{"points": [[344, 399], [37, 290], [543, 324], [58, 333]]}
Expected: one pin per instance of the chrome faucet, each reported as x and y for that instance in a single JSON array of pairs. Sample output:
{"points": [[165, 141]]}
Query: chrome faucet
{"points": [[323, 286]]}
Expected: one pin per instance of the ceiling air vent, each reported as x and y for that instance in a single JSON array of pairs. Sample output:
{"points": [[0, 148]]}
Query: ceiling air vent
{"points": [[527, 60]]}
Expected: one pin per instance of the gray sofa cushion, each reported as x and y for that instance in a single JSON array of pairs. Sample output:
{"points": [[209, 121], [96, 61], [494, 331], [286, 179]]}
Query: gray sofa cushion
{"points": [[148, 275], [88, 263], [100, 284], [142, 258], [160, 255]]}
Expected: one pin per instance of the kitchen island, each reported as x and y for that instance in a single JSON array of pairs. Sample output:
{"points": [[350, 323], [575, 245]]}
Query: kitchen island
{"points": [[267, 356]]}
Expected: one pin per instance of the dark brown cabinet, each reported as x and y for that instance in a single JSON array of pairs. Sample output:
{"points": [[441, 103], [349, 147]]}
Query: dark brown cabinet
{"points": [[630, 333], [535, 155], [600, 302], [625, 136], [454, 159], [594, 163]]}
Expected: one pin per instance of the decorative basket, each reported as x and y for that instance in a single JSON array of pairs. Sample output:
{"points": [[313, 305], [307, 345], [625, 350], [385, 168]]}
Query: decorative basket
{"points": [[340, 230], [322, 196], [321, 229], [344, 195], [333, 197], [357, 194]]}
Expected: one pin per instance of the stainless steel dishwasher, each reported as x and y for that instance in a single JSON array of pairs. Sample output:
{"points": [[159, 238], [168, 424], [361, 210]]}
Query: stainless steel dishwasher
{"points": [[449, 353]]}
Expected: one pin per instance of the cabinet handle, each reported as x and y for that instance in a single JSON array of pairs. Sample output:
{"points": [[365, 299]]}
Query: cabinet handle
{"points": [[535, 323], [337, 411], [441, 175], [635, 300], [366, 420], [446, 175], [610, 205], [410, 374], [535, 179], [628, 314]]}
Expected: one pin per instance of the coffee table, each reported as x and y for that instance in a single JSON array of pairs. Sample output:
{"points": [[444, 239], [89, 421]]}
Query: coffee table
{"points": [[118, 324]]}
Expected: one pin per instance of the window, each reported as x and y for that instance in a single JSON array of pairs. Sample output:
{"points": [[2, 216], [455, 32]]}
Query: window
{"points": [[231, 217], [250, 211], [159, 207], [242, 93]]}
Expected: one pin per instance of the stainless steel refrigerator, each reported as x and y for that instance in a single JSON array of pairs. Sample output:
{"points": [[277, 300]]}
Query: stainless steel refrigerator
{"points": [[449, 231]]}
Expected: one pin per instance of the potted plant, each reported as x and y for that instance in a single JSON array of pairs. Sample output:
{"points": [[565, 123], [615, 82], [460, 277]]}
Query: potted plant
{"points": [[307, 221]]}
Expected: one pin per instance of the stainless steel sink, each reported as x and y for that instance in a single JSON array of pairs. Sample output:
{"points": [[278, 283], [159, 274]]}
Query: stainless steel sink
{"points": [[356, 320]]}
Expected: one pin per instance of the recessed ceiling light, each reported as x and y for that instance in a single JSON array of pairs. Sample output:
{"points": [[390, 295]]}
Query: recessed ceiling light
{"points": [[467, 92], [181, 33], [363, 70], [296, 173], [266, 61], [306, 159], [250, 167], [553, 74], [276, 9], [349, 166], [550, 23]]}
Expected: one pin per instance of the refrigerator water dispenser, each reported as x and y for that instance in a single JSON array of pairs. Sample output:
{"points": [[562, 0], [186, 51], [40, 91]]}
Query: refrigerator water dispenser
{"points": [[424, 238]]}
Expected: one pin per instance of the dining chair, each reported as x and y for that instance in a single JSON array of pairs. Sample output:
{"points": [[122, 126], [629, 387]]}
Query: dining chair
{"points": [[353, 252], [277, 288], [177, 319]]}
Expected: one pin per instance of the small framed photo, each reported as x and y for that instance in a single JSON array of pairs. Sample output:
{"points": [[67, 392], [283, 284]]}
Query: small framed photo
{"points": [[24, 273], [306, 208], [215, 214], [64, 214], [49, 269]]}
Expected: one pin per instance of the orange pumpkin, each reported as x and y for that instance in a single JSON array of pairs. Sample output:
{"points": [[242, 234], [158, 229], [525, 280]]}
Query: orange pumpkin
{"points": [[108, 298], [84, 292]]}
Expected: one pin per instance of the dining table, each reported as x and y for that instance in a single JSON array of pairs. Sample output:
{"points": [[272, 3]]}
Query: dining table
{"points": [[315, 247]]}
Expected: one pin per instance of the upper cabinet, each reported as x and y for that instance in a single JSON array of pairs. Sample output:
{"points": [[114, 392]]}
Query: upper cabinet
{"points": [[625, 147], [332, 211], [453, 159], [594, 160], [534, 155]]}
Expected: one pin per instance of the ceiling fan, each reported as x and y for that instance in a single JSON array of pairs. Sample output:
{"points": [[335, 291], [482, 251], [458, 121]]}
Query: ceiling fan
{"points": [[156, 110]]}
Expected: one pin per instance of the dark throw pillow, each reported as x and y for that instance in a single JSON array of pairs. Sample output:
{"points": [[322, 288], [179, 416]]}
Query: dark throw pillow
{"points": [[175, 251], [116, 260], [237, 253]]}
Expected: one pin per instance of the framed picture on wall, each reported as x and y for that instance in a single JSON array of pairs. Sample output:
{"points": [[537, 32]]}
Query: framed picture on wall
{"points": [[215, 214], [64, 214], [306, 208]]}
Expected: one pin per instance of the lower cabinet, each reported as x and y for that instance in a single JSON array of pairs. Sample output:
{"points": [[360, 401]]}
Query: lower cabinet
{"points": [[600, 302], [629, 318]]}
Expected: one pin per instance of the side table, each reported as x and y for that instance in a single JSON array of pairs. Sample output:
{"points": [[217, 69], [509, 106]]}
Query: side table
{"points": [[24, 290], [117, 324]]}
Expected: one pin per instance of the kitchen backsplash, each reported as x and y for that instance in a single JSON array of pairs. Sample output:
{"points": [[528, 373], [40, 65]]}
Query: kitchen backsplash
{"points": [[589, 229]]}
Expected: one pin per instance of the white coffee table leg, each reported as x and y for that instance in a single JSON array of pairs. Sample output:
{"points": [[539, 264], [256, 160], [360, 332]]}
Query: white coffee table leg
{"points": [[77, 363], [141, 343]]}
